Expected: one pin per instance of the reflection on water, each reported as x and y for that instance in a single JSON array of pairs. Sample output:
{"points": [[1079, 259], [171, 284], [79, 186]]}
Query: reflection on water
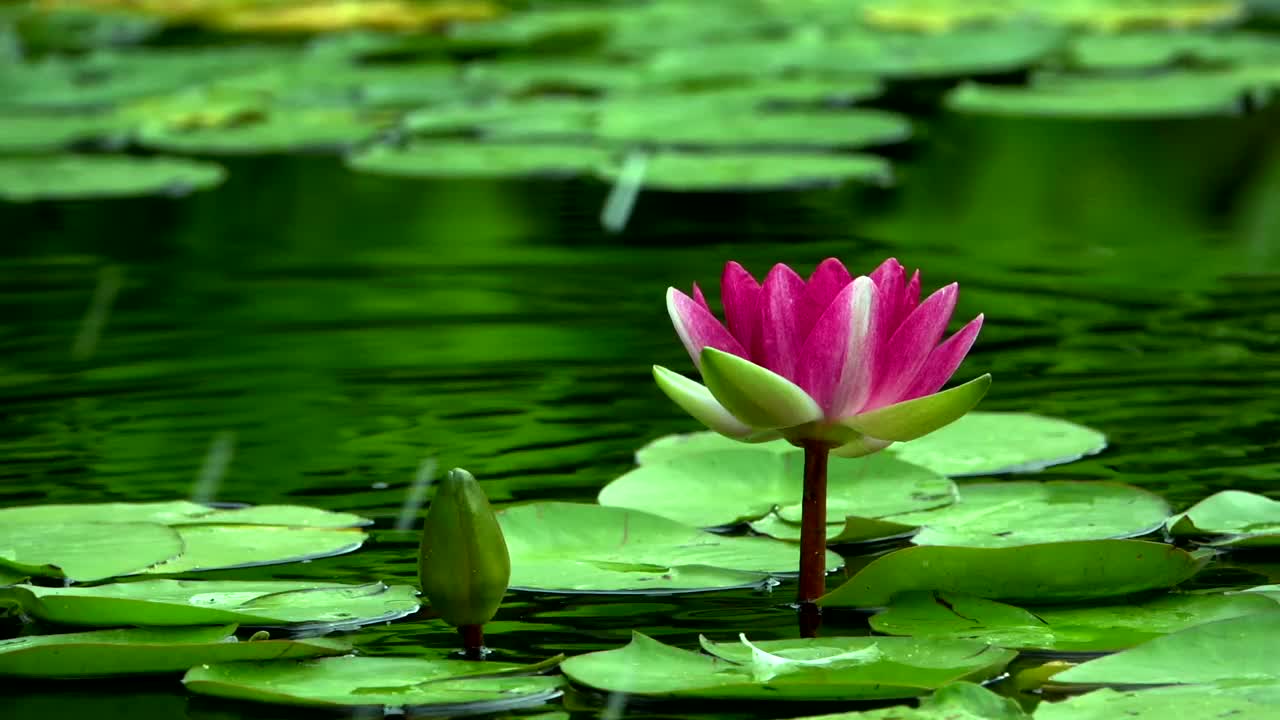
{"points": [[321, 334]]}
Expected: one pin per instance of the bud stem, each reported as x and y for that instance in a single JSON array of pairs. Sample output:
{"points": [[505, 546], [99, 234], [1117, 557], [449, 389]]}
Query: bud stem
{"points": [[813, 537], [472, 641]]}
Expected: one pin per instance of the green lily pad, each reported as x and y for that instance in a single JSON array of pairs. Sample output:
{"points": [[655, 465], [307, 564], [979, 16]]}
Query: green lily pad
{"points": [[96, 541], [994, 443], [1106, 15], [445, 686], [875, 668], [1094, 628], [446, 158], [567, 547], [84, 552], [1236, 649], [1212, 701], [217, 547], [957, 701], [69, 177], [508, 119], [279, 131], [1047, 573], [1180, 94], [201, 602], [181, 512], [746, 482], [980, 443], [1246, 519], [1134, 50], [680, 171], [682, 121], [44, 132], [145, 651]]}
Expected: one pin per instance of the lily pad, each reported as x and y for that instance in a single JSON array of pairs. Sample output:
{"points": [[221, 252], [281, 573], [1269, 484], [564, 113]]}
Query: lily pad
{"points": [[1245, 519], [746, 482], [957, 701], [1212, 701], [217, 547], [145, 651], [1133, 50], [200, 602], [1236, 649], [1041, 574], [1106, 15], [70, 177], [445, 158], [279, 131], [44, 132], [994, 443], [181, 512], [894, 668], [1140, 97], [567, 547], [85, 552], [683, 121], [1093, 628], [445, 686], [773, 170], [980, 443]]}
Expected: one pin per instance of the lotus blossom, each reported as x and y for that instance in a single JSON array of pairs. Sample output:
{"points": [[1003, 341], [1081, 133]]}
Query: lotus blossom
{"points": [[844, 363]]}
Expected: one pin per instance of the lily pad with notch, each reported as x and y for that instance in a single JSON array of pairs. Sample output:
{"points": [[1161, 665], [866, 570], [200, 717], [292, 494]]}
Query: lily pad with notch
{"points": [[146, 651], [1079, 629], [1239, 649], [745, 483], [444, 687], [264, 603], [838, 668], [1234, 518], [1048, 573], [576, 548]]}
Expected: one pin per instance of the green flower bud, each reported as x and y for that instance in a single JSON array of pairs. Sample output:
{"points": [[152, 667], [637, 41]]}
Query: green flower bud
{"points": [[463, 565]]}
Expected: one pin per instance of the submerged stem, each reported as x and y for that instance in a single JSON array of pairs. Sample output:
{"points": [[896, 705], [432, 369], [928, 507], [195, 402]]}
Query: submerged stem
{"points": [[813, 536], [472, 641]]}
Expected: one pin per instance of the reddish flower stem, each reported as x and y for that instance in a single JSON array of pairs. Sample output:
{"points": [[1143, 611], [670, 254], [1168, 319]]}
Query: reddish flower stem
{"points": [[813, 537], [472, 641]]}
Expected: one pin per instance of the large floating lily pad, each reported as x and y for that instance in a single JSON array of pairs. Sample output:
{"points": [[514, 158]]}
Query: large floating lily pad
{"points": [[957, 701], [1213, 701], [69, 177], [182, 512], [446, 686], [992, 443], [279, 131], [567, 547], [745, 483], [446, 158], [771, 170], [145, 651], [1242, 519], [1133, 50], [85, 551], [855, 668], [1092, 628], [686, 121], [43, 132], [980, 443], [1182, 94], [201, 602], [1236, 649], [1046, 573], [96, 541]]}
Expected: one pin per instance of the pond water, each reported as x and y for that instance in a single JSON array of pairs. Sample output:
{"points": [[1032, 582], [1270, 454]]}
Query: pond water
{"points": [[320, 333]]}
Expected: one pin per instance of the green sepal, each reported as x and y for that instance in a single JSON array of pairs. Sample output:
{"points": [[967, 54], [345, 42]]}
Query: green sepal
{"points": [[756, 395], [698, 401], [915, 418]]}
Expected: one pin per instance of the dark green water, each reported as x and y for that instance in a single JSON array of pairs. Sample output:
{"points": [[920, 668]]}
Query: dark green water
{"points": [[335, 329]]}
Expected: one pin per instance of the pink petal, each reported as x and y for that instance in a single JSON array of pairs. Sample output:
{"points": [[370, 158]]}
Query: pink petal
{"points": [[909, 347], [827, 280], [890, 278], [943, 361], [698, 328], [779, 341], [740, 294], [700, 298], [835, 364]]}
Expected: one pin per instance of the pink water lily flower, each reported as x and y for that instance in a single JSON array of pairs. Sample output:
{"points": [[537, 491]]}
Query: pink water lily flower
{"points": [[849, 364]]}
